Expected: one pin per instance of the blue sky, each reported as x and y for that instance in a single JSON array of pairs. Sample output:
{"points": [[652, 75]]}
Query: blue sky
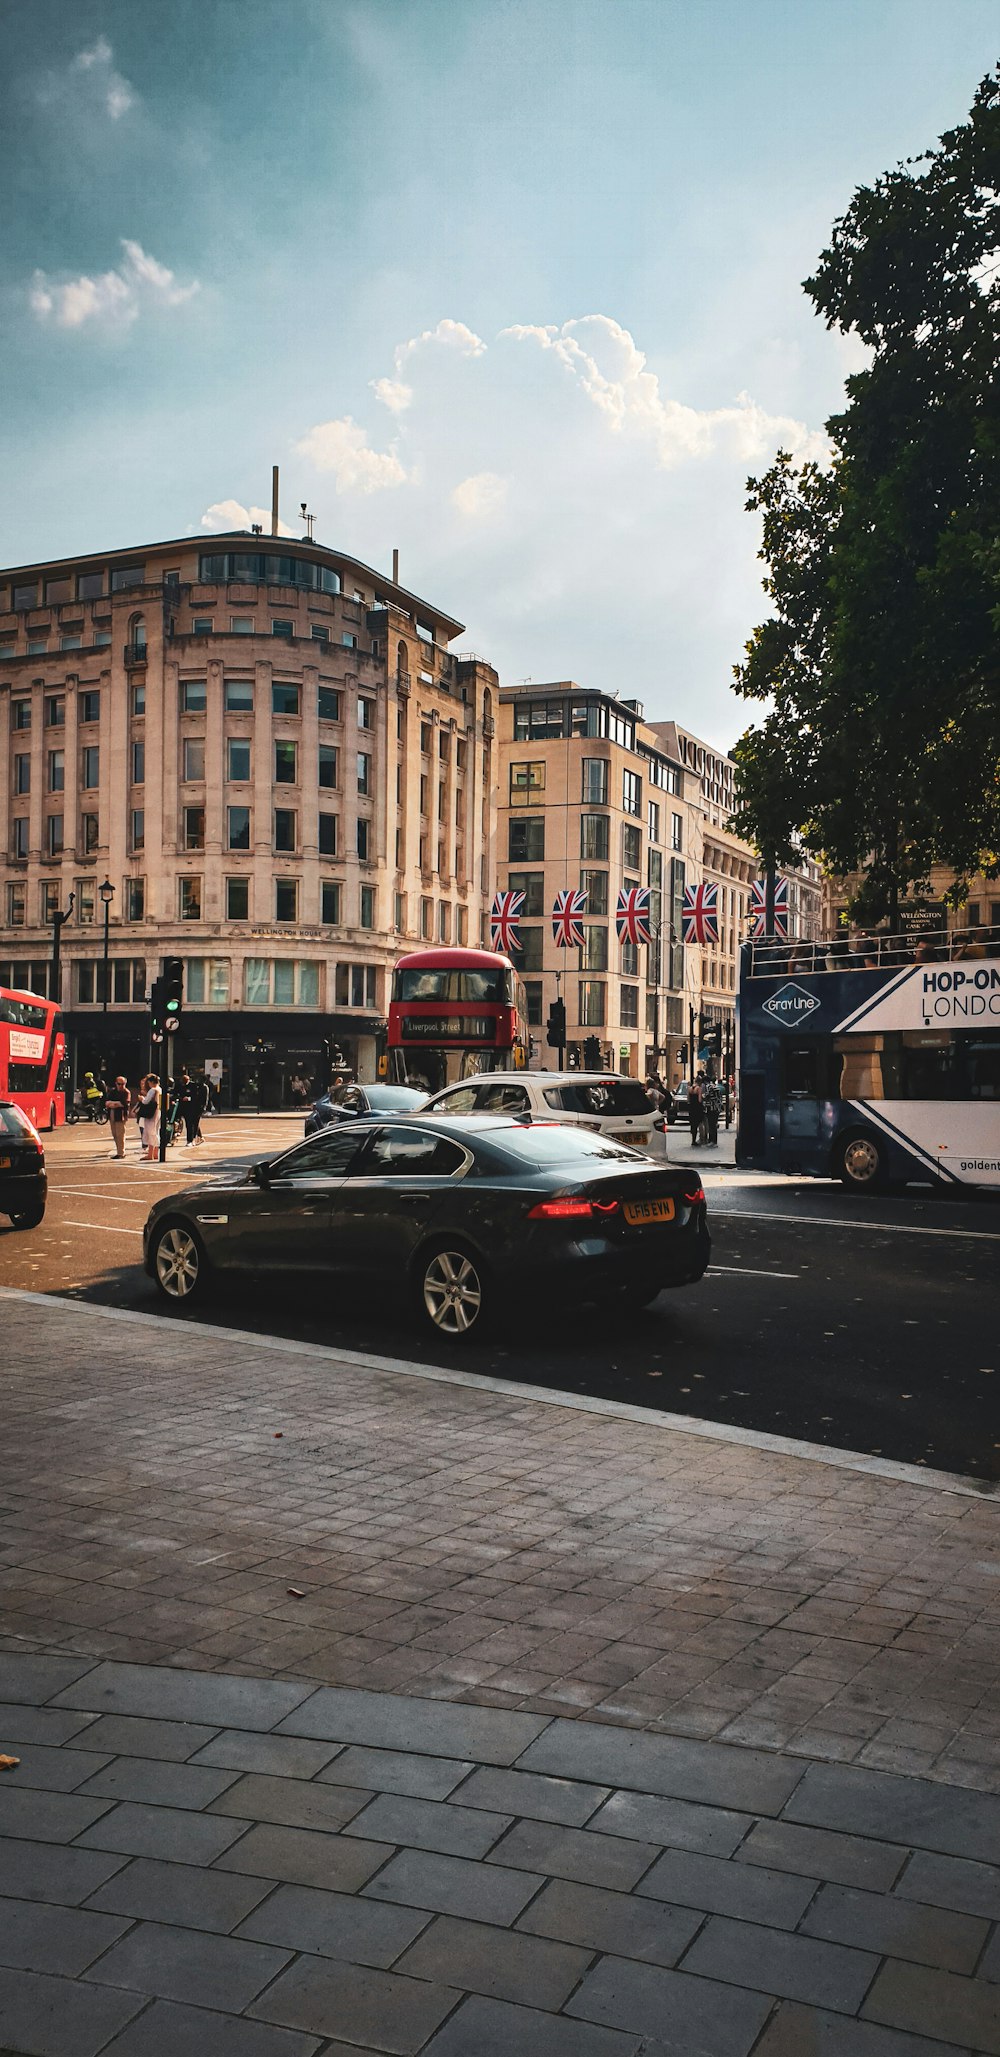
{"points": [[513, 285]]}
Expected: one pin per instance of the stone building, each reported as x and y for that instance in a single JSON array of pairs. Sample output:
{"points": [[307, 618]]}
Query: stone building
{"points": [[267, 757]]}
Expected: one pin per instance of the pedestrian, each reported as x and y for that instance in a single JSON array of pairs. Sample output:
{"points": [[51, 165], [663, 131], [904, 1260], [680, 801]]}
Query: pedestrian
{"points": [[191, 1106], [711, 1107], [117, 1102], [149, 1117], [694, 1109], [91, 1095], [168, 1112]]}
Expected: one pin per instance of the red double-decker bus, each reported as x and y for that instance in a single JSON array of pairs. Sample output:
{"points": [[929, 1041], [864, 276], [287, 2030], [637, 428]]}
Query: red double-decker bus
{"points": [[32, 1057], [453, 1013]]}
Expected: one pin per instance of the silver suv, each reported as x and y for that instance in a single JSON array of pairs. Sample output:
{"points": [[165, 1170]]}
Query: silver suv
{"points": [[601, 1100]]}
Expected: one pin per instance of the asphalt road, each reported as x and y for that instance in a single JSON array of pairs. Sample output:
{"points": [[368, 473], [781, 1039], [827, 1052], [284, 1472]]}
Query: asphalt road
{"points": [[867, 1325]]}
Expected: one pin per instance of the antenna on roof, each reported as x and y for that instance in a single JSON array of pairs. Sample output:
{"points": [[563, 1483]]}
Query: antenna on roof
{"points": [[309, 519], [274, 499], [395, 567]]}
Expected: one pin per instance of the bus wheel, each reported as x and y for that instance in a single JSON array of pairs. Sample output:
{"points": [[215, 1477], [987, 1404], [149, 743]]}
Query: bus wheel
{"points": [[861, 1164]]}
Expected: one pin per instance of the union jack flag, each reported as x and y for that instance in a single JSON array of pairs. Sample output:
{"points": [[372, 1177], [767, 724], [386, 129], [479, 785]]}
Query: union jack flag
{"points": [[632, 915], [700, 914], [567, 926], [505, 915], [758, 908]]}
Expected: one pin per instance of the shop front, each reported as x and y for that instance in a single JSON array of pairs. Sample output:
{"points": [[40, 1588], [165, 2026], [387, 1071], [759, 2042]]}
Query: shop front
{"points": [[259, 1062]]}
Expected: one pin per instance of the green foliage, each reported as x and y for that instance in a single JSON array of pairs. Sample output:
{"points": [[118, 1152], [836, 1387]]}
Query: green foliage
{"points": [[881, 659]]}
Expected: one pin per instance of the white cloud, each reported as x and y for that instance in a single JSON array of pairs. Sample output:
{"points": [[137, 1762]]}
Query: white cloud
{"points": [[480, 495], [396, 393], [604, 360], [97, 65], [114, 298], [342, 448], [231, 514]]}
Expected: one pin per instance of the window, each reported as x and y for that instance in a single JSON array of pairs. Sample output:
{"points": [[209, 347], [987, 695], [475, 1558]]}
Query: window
{"points": [[368, 909], [462, 926], [37, 644], [239, 828], [329, 902], [239, 696], [55, 711], [327, 765], [90, 585], [19, 835], [444, 922], [364, 772], [194, 757], [57, 771], [629, 1006], [189, 893], [73, 642], [22, 774], [238, 899], [51, 895], [631, 846], [17, 902], [25, 596], [653, 822], [90, 706], [424, 789], [54, 835], [355, 985], [630, 961], [138, 699], [21, 710], [595, 781], [526, 841], [194, 828], [203, 625], [125, 575], [366, 714], [329, 1156], [101, 638], [85, 982], [591, 1003], [238, 759], [90, 766], [399, 911], [349, 642], [677, 832], [135, 899], [207, 981], [58, 590], [595, 885], [364, 838], [594, 951], [284, 828], [138, 836], [530, 955], [286, 899], [284, 699], [284, 629], [532, 885], [594, 838], [328, 835], [426, 919], [138, 764], [241, 625], [526, 780], [442, 801], [533, 996], [414, 1153], [426, 736], [285, 763], [329, 704], [88, 833]]}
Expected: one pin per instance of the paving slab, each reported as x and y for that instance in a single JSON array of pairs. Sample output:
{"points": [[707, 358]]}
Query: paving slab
{"points": [[716, 1773], [46, 1817], [394, 1771], [277, 1756], [487, 1735], [304, 1857], [526, 1792], [131, 1735], [167, 2029], [716, 1831], [454, 1885], [897, 1928], [340, 1925], [574, 1853], [50, 1769], [903, 1810], [616, 1924], [36, 1678], [791, 1967], [429, 1825], [151, 1890], [820, 1853], [61, 1940], [201, 1696], [22, 1723], [170, 1832], [156, 1782], [394, 2014], [679, 2014], [494, 2028], [47, 1871], [908, 1996], [60, 2017], [296, 1802], [503, 1964], [952, 1882], [749, 1892], [796, 2031], [189, 1964]]}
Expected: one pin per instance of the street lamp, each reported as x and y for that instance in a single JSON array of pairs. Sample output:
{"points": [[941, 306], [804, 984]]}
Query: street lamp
{"points": [[58, 918], [107, 893]]}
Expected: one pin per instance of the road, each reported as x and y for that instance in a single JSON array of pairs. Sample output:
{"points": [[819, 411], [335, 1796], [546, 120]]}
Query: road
{"points": [[868, 1325]]}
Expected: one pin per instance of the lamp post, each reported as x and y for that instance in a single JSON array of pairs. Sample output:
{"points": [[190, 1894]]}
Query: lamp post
{"points": [[107, 893], [58, 918]]}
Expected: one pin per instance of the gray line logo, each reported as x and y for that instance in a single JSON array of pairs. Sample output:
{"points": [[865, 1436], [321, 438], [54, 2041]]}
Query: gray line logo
{"points": [[790, 1005]]}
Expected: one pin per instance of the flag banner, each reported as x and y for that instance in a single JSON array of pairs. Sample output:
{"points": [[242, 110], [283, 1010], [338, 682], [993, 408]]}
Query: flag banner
{"points": [[505, 915], [758, 908], [632, 915], [700, 914], [567, 927]]}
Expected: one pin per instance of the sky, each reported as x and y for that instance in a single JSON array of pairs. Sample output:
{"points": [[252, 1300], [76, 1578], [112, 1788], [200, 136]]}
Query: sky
{"points": [[513, 286]]}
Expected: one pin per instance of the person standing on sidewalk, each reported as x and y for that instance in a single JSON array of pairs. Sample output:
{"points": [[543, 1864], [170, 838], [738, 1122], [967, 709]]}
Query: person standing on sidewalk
{"points": [[149, 1117], [191, 1104], [694, 1110], [711, 1105], [117, 1101]]}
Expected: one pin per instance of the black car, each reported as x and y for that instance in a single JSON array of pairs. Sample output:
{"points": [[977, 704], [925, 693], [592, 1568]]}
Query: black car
{"points": [[462, 1211], [23, 1184], [363, 1100]]}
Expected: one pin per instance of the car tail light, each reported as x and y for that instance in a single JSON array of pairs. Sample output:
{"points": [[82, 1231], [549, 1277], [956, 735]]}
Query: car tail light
{"points": [[568, 1206], [695, 1199]]}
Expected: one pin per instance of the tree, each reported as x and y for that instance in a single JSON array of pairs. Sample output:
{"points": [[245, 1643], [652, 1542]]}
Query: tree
{"points": [[881, 658]]}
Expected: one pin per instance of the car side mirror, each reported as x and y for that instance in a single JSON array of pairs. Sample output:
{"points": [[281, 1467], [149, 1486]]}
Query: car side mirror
{"points": [[262, 1173]]}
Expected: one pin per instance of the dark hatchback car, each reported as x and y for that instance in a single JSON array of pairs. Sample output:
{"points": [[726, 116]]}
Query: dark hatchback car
{"points": [[363, 1100], [463, 1213], [23, 1184]]}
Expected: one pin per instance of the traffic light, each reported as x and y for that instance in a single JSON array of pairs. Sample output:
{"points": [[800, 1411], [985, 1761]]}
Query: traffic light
{"points": [[592, 1054], [173, 993], [555, 1027], [711, 1038], [156, 1005]]}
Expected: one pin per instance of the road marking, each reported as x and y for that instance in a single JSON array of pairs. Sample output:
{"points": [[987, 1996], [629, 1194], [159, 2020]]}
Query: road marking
{"points": [[104, 1227], [89, 1193], [751, 1271], [881, 1228], [578, 1403]]}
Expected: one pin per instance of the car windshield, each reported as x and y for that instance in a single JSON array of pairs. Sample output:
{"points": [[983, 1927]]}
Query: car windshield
{"points": [[607, 1096], [13, 1123], [394, 1096], [561, 1145]]}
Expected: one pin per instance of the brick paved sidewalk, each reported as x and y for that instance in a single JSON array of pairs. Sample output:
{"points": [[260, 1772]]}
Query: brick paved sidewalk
{"points": [[163, 1486], [197, 1865]]}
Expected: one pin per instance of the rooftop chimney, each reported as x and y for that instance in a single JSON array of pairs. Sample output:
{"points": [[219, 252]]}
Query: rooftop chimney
{"points": [[395, 567], [274, 499]]}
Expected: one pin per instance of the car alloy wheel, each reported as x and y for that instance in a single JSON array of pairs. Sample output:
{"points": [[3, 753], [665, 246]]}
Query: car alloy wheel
{"points": [[452, 1292], [862, 1165], [179, 1262]]}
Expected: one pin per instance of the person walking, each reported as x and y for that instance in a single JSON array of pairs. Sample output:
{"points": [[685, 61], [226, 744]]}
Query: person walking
{"points": [[149, 1117], [168, 1112], [191, 1103], [711, 1104], [117, 1102], [694, 1109]]}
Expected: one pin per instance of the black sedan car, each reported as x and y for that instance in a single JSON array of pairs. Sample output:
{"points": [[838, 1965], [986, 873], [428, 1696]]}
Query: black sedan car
{"points": [[463, 1212], [23, 1184], [362, 1100]]}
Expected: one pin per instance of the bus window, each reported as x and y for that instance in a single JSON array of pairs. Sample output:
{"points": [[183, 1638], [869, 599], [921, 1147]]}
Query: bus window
{"points": [[982, 1067], [805, 1069], [469, 984], [929, 1065], [866, 1067]]}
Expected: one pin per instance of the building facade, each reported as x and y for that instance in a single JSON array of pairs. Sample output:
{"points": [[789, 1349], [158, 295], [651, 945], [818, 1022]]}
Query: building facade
{"points": [[258, 755]]}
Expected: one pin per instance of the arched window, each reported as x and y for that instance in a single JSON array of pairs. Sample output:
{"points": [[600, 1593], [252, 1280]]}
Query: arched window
{"points": [[402, 665], [137, 631]]}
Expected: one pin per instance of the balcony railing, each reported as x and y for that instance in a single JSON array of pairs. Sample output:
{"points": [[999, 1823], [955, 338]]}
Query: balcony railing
{"points": [[135, 653], [881, 951]]}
